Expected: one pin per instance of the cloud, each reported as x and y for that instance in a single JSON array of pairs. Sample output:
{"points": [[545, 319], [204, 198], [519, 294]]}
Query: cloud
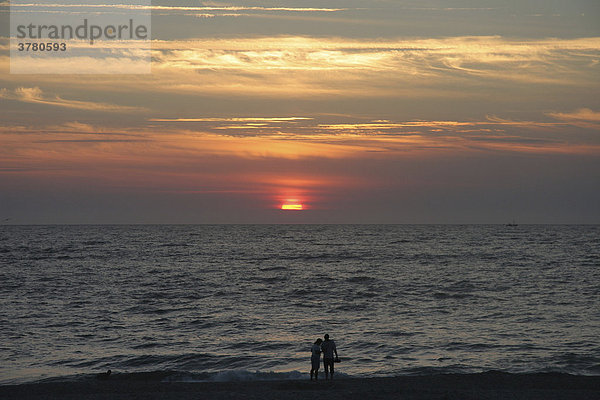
{"points": [[306, 66], [583, 114], [311, 138], [236, 119], [171, 8], [36, 95], [583, 117], [294, 137], [309, 67], [298, 52]]}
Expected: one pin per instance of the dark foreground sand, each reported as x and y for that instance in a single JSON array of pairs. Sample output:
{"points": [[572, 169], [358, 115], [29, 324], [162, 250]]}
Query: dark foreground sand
{"points": [[491, 385]]}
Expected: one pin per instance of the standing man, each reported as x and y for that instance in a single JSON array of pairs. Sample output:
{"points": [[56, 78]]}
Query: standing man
{"points": [[328, 347]]}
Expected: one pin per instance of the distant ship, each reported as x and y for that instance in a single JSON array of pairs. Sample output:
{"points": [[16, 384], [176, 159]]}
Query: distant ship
{"points": [[513, 223]]}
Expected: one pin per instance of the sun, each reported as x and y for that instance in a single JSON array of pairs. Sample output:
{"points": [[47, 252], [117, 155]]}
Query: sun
{"points": [[292, 205], [295, 207]]}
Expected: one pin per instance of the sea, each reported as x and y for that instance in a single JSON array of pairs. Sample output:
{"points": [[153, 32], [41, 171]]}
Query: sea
{"points": [[246, 302]]}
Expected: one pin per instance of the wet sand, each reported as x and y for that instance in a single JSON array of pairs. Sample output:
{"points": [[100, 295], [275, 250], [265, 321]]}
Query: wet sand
{"points": [[492, 385]]}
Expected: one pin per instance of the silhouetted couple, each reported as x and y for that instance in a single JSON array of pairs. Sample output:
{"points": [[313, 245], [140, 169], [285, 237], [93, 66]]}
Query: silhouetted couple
{"points": [[328, 349]]}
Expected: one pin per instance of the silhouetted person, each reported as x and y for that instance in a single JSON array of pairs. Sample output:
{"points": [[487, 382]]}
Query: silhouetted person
{"points": [[315, 359], [104, 375], [328, 348]]}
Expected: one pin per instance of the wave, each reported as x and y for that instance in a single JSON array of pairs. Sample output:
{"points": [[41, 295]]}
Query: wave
{"points": [[235, 376], [361, 279], [275, 268], [242, 375], [445, 295]]}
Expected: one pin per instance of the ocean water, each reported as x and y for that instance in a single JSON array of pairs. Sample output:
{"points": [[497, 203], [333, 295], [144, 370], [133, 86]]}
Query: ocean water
{"points": [[227, 302]]}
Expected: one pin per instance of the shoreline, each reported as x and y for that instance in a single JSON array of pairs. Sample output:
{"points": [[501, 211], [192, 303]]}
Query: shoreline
{"points": [[488, 385]]}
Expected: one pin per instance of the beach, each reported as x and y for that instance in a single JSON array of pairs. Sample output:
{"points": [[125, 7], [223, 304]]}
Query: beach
{"points": [[490, 385]]}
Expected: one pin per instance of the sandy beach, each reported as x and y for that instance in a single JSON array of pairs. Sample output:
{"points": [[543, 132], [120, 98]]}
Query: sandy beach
{"points": [[492, 385]]}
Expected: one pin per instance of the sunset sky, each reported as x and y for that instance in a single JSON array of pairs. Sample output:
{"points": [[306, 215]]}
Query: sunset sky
{"points": [[371, 111]]}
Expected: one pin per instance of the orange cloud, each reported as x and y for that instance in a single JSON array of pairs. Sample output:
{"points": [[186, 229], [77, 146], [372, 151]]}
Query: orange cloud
{"points": [[36, 95], [305, 67], [237, 119], [583, 117]]}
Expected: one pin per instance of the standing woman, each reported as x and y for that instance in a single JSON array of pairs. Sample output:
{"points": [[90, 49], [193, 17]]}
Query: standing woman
{"points": [[315, 359]]}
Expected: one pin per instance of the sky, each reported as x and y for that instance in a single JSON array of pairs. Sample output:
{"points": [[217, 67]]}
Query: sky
{"points": [[371, 111]]}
